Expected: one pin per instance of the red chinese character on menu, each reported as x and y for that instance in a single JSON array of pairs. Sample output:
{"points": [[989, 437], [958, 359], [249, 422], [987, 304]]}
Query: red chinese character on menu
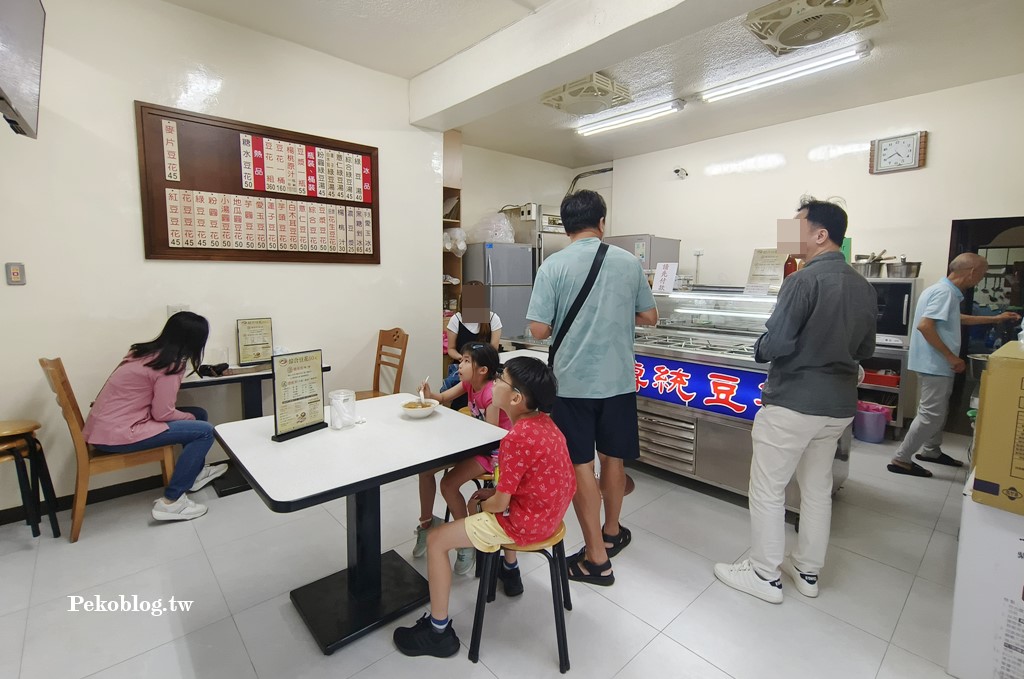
{"points": [[673, 380], [723, 388], [638, 371], [757, 401]]}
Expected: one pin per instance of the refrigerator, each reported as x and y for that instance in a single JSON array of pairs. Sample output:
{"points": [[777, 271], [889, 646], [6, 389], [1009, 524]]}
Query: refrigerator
{"points": [[540, 226], [507, 270], [650, 250]]}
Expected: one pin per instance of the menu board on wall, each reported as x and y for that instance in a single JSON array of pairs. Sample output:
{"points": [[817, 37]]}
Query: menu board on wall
{"points": [[298, 394], [219, 189]]}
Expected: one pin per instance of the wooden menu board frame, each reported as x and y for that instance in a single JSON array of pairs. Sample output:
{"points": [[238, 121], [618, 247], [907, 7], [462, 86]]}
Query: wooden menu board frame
{"points": [[208, 151]]}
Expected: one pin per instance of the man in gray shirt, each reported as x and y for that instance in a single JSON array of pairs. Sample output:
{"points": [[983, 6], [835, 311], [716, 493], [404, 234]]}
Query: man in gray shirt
{"points": [[823, 325]]}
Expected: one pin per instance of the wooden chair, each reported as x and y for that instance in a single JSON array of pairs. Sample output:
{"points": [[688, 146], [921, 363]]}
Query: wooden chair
{"points": [[91, 462], [391, 346]]}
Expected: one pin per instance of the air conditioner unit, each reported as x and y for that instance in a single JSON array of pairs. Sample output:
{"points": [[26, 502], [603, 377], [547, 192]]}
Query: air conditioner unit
{"points": [[592, 94], [788, 25]]}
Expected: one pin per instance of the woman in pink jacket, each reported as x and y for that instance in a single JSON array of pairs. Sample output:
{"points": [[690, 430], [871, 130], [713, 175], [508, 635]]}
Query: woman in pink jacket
{"points": [[136, 410]]}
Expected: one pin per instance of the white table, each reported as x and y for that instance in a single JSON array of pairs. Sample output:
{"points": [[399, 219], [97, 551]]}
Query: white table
{"points": [[354, 463], [542, 355]]}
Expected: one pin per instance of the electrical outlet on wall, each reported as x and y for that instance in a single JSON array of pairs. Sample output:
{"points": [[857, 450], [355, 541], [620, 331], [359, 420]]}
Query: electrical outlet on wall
{"points": [[175, 308]]}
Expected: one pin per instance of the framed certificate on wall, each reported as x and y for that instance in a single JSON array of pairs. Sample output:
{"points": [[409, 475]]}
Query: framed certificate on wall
{"points": [[255, 340], [298, 394]]}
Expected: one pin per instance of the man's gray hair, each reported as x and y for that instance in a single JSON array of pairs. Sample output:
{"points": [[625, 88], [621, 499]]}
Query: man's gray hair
{"points": [[967, 261]]}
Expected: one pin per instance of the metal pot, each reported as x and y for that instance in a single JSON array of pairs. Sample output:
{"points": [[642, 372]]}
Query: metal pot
{"points": [[868, 269], [903, 270], [976, 364]]}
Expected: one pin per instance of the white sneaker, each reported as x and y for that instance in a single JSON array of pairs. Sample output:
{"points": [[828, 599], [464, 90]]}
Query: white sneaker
{"points": [[806, 583], [182, 509], [741, 576], [207, 475], [465, 560]]}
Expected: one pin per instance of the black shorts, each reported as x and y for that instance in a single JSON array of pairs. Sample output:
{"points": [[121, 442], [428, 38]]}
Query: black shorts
{"points": [[610, 424]]}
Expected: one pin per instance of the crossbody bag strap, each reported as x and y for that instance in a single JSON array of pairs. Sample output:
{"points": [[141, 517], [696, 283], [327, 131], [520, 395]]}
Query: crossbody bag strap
{"points": [[577, 304]]}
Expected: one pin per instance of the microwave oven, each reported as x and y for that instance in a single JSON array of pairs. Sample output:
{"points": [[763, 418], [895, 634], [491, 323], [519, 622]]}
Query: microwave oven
{"points": [[896, 298]]}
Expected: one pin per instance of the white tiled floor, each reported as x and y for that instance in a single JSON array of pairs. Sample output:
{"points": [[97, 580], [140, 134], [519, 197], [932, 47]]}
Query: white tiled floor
{"points": [[883, 613]]}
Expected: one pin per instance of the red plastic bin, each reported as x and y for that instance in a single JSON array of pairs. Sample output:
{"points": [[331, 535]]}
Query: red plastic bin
{"points": [[878, 379]]}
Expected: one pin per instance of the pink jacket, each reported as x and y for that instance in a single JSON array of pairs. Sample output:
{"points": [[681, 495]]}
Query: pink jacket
{"points": [[134, 404]]}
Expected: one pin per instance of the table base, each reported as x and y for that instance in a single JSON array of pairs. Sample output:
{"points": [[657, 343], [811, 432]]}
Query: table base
{"points": [[335, 617], [231, 482]]}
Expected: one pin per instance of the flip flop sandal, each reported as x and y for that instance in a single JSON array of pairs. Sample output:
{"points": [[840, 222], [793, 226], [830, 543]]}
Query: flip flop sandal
{"points": [[915, 470], [941, 459], [592, 576], [617, 542]]}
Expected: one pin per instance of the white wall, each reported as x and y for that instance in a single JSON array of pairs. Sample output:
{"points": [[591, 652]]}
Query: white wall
{"points": [[975, 147], [70, 210], [491, 180]]}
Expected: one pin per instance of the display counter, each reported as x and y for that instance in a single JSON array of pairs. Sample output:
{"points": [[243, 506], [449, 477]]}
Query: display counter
{"points": [[698, 387]]}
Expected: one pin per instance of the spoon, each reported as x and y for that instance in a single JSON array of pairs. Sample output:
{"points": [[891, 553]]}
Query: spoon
{"points": [[421, 390]]}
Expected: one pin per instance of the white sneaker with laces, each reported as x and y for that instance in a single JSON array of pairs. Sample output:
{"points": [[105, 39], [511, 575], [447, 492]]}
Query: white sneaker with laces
{"points": [[806, 583], [465, 559], [741, 576], [207, 475], [182, 509]]}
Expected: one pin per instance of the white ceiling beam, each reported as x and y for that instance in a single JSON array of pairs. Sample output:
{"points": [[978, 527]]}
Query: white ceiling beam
{"points": [[562, 41]]}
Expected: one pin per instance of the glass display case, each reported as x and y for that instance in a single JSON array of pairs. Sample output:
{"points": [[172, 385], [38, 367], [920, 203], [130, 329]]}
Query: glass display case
{"points": [[720, 324]]}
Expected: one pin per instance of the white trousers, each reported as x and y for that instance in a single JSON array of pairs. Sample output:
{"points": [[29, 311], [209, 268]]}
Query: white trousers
{"points": [[788, 442]]}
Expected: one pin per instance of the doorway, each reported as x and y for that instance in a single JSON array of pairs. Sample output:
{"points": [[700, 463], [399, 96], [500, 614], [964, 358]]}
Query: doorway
{"points": [[1001, 241]]}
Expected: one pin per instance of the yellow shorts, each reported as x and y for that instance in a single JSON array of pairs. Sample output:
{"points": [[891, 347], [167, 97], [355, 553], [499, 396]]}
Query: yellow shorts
{"points": [[485, 532]]}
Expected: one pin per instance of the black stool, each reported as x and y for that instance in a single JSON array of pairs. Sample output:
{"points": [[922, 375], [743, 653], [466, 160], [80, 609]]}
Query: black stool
{"points": [[559, 591]]}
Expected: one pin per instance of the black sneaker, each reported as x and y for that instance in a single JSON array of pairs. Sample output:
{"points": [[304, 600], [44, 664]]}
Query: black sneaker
{"points": [[511, 580], [421, 639]]}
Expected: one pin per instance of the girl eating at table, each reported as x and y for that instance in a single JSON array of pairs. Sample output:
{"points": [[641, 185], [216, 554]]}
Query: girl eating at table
{"points": [[135, 410], [477, 369]]}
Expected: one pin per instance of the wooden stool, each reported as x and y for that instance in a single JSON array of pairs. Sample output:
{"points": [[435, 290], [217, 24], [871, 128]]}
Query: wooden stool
{"points": [[559, 591], [19, 443]]}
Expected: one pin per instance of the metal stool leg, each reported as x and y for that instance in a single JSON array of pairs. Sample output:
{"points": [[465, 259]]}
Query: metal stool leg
{"points": [[31, 506], [558, 551], [42, 472], [556, 599], [481, 604]]}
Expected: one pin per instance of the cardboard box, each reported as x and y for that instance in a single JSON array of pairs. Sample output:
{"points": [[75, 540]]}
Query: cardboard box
{"points": [[987, 628], [999, 433]]}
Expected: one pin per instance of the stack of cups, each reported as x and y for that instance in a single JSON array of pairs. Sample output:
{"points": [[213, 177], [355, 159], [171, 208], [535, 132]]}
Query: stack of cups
{"points": [[343, 408]]}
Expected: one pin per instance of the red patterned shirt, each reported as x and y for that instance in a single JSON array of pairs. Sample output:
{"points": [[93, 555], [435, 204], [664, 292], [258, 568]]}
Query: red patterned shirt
{"points": [[536, 471]]}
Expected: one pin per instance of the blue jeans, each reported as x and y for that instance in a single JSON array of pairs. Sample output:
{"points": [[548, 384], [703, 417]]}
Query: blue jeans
{"points": [[196, 439], [452, 378]]}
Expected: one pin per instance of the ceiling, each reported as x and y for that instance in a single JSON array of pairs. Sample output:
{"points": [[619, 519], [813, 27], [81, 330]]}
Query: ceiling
{"points": [[923, 46]]}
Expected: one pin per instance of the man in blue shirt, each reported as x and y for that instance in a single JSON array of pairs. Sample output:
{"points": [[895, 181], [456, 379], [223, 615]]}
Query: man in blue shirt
{"points": [[596, 404], [935, 357]]}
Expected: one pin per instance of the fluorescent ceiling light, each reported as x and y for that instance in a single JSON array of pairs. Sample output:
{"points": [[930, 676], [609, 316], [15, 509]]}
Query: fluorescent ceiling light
{"points": [[790, 72], [631, 118]]}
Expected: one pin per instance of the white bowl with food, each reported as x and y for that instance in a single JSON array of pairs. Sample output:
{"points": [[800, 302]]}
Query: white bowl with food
{"points": [[417, 409]]}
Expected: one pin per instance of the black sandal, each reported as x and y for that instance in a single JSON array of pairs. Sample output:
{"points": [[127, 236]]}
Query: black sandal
{"points": [[593, 575], [915, 470], [618, 542], [941, 459]]}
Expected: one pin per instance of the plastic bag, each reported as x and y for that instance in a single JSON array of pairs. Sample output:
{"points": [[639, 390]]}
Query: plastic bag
{"points": [[454, 241], [869, 407], [494, 228]]}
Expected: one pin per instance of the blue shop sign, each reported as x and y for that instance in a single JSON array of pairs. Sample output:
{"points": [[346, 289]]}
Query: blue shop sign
{"points": [[716, 389]]}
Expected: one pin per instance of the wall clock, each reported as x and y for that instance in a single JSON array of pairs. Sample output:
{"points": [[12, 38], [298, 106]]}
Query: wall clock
{"points": [[902, 152]]}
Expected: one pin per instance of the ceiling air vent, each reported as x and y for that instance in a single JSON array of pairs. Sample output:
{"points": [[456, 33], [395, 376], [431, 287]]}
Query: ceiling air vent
{"points": [[788, 25], [592, 94]]}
